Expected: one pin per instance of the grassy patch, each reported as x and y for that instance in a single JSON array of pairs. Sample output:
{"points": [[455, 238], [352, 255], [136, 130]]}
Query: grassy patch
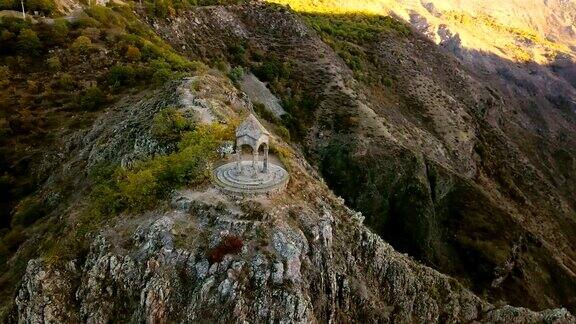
{"points": [[144, 186], [351, 34]]}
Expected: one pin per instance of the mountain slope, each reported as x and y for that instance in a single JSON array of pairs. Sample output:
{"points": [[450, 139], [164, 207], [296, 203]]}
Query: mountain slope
{"points": [[467, 171], [295, 256], [534, 29], [440, 162]]}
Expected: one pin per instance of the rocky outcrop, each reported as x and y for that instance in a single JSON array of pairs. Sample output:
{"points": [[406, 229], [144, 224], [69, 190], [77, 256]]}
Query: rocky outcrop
{"points": [[430, 162], [296, 256], [306, 260]]}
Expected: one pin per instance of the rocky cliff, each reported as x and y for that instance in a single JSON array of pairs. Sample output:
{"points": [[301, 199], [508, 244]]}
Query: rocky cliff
{"points": [[296, 256], [304, 258], [466, 172]]}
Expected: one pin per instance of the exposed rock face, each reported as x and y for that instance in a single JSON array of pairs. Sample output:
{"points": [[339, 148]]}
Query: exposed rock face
{"points": [[306, 260], [257, 92]]}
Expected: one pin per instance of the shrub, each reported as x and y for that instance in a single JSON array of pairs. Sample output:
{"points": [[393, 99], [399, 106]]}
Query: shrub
{"points": [[59, 31], [161, 76], [105, 16], [4, 75], [153, 180], [92, 99], [236, 74], [91, 32], [229, 244], [82, 45], [158, 64], [121, 75], [222, 66], [28, 43], [263, 112], [141, 189], [164, 52], [238, 53], [273, 70], [170, 124], [66, 81], [53, 63], [84, 22], [28, 211], [284, 133], [268, 71], [133, 53]]}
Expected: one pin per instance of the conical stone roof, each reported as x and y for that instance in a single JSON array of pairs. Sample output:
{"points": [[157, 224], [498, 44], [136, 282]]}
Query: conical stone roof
{"points": [[251, 127]]}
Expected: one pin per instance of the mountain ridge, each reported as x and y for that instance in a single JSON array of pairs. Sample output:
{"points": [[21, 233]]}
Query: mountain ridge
{"points": [[465, 169]]}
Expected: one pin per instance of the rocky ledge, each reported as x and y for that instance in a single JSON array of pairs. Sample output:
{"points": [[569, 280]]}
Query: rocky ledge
{"points": [[301, 256]]}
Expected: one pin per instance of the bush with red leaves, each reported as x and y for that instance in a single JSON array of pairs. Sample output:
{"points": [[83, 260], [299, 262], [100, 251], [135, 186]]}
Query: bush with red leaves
{"points": [[229, 244]]}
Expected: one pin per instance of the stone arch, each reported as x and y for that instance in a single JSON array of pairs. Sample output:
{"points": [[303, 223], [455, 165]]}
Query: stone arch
{"points": [[252, 133], [241, 148]]}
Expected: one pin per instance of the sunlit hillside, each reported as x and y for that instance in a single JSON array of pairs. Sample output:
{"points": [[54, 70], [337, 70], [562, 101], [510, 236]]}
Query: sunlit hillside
{"points": [[534, 30]]}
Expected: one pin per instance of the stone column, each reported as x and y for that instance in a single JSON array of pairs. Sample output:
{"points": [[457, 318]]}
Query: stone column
{"points": [[255, 161], [239, 160], [265, 168]]}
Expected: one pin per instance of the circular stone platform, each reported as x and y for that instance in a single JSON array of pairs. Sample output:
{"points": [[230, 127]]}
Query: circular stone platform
{"points": [[247, 182]]}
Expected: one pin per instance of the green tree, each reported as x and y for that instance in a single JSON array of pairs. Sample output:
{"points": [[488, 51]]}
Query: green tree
{"points": [[92, 99], [29, 43]]}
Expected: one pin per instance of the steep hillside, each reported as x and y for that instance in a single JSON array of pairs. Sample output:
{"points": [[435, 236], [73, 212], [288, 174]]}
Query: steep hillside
{"points": [[462, 160], [297, 256], [525, 30], [439, 158]]}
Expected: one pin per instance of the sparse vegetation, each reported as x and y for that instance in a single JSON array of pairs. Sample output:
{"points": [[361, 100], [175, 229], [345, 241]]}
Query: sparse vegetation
{"points": [[48, 74], [169, 125], [165, 8], [143, 186], [347, 34]]}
